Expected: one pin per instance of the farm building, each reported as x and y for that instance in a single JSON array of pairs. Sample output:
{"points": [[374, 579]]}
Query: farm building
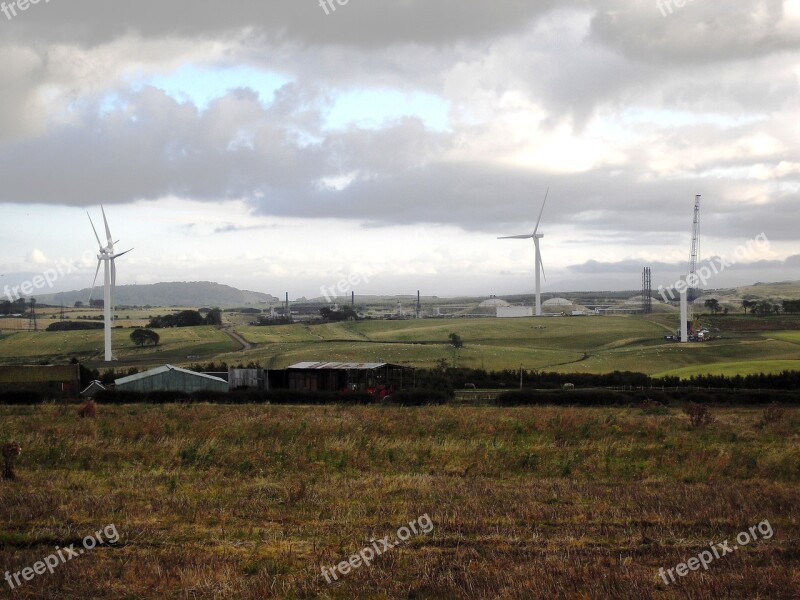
{"points": [[381, 379], [254, 379], [171, 379], [94, 388], [59, 378], [258, 379]]}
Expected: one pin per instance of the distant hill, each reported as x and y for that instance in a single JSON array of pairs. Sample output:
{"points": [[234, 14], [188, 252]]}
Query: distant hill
{"points": [[194, 293], [205, 293], [783, 290]]}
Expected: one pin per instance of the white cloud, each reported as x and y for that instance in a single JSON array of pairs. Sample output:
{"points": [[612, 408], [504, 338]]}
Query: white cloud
{"points": [[299, 145], [37, 257]]}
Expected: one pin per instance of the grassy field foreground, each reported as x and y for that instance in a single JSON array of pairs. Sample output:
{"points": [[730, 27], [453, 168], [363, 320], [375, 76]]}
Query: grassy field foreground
{"points": [[252, 501]]}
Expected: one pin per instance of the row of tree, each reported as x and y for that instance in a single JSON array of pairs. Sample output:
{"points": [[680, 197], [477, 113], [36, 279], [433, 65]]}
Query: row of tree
{"points": [[94, 303], [760, 308], [791, 307], [445, 376], [140, 337], [74, 326], [17, 307], [763, 308], [186, 318], [345, 313]]}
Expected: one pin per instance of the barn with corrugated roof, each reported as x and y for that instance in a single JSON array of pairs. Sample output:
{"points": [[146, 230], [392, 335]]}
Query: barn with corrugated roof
{"points": [[64, 379], [171, 379], [377, 378]]}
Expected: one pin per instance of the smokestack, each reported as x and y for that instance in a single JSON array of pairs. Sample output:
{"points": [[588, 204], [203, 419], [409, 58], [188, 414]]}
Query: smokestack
{"points": [[352, 299], [419, 307], [288, 314], [684, 316]]}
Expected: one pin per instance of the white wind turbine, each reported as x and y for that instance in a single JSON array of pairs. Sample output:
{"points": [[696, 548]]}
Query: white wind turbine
{"points": [[535, 236], [107, 257]]}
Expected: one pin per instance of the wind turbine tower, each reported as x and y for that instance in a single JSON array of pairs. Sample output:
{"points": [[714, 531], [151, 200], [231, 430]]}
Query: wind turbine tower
{"points": [[107, 257], [535, 236], [692, 280]]}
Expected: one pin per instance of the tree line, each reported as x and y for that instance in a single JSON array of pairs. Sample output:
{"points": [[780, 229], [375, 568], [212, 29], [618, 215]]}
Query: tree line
{"points": [[186, 318], [766, 308], [447, 377], [759, 308], [17, 307]]}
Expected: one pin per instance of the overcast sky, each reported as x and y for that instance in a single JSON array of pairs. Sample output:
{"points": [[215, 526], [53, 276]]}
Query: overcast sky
{"points": [[279, 145]]}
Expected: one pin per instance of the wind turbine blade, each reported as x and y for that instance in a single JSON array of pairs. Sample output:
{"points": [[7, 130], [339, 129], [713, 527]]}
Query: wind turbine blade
{"points": [[535, 231], [516, 237], [91, 292], [539, 263], [108, 231], [99, 243], [122, 253], [113, 285]]}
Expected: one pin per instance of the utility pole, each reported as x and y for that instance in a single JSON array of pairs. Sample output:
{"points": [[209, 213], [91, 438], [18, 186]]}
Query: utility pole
{"points": [[32, 325]]}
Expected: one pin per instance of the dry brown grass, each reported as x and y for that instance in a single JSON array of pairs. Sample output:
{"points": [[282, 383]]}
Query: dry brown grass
{"points": [[251, 501]]}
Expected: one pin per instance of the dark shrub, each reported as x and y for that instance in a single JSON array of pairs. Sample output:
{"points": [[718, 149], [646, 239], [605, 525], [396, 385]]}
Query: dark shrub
{"points": [[88, 410], [699, 415], [21, 397], [74, 326], [597, 397], [774, 413], [418, 397]]}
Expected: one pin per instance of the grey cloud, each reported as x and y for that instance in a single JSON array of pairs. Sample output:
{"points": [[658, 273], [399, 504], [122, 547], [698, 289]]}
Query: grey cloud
{"points": [[368, 23], [699, 32], [630, 265], [231, 228], [239, 148], [623, 266], [156, 147]]}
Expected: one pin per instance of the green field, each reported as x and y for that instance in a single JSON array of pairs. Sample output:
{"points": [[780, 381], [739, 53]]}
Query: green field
{"points": [[787, 336], [177, 345], [753, 367], [563, 344], [584, 345]]}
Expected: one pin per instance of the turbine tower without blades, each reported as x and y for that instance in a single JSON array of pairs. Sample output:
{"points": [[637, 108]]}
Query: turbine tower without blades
{"points": [[107, 258], [539, 267]]}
